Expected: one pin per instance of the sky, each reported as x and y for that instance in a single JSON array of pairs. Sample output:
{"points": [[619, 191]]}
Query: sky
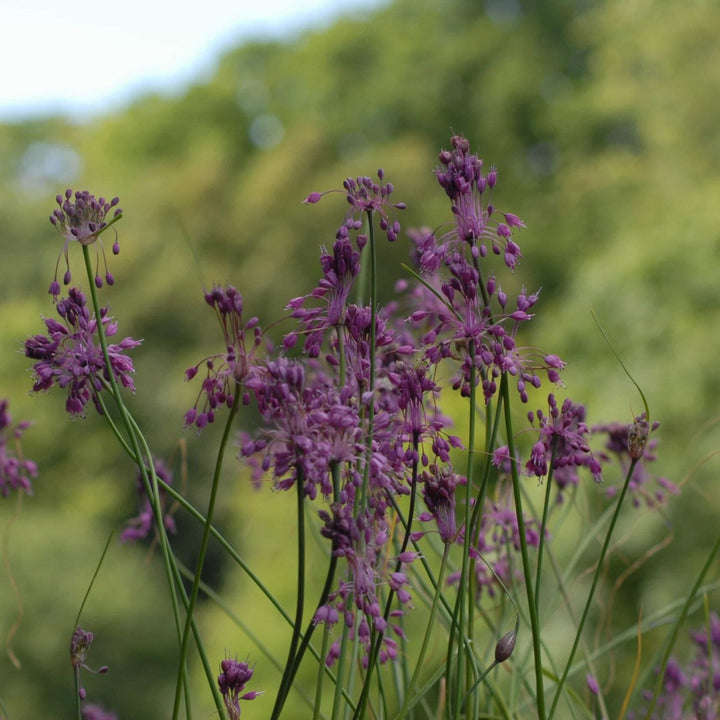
{"points": [[84, 59]]}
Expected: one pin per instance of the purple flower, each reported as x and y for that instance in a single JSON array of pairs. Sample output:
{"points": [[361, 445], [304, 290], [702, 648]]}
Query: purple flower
{"points": [[97, 712], [469, 191], [690, 690], [366, 196], [496, 546], [138, 528], [231, 681], [82, 221], [562, 440], [438, 488], [225, 372], [79, 647], [15, 470], [71, 356]]}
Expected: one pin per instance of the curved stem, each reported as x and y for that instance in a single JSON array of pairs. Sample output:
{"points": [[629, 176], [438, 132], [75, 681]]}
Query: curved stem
{"points": [[591, 594], [202, 552], [299, 606], [529, 588]]}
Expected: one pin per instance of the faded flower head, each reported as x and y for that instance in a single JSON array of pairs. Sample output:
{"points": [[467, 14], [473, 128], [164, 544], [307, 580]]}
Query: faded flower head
{"points": [[79, 647], [627, 442], [70, 355], [225, 372], [15, 470], [82, 220], [91, 711], [233, 677]]}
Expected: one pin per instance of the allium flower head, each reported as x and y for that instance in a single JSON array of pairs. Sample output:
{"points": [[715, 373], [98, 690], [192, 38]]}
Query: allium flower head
{"points": [[231, 681], [461, 176], [82, 221], [563, 439], [227, 371], [70, 354], [365, 196], [438, 489], [15, 470]]}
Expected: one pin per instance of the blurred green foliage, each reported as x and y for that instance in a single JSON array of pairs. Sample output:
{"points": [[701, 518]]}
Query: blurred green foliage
{"points": [[601, 116]]}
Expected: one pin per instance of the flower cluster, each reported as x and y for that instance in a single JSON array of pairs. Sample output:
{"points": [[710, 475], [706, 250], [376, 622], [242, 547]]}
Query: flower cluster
{"points": [[231, 681], [138, 528], [691, 690], [70, 355], [562, 443], [82, 221], [225, 372], [496, 546], [15, 470]]}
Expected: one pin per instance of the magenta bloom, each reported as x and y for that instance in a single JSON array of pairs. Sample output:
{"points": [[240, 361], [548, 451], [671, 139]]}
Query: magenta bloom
{"points": [[70, 354], [563, 434], [461, 176], [15, 470], [231, 681], [225, 372], [82, 221]]}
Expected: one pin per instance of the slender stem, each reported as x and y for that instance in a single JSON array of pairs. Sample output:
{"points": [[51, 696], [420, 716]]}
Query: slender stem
{"points": [[377, 638], [300, 599], [529, 588], [591, 594], [202, 552], [147, 471], [426, 639], [543, 526], [458, 625]]}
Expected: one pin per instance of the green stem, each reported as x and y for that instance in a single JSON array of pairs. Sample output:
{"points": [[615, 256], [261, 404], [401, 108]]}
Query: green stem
{"points": [[529, 588], [147, 469], [543, 526], [300, 599], [458, 625], [591, 594], [426, 639], [204, 546]]}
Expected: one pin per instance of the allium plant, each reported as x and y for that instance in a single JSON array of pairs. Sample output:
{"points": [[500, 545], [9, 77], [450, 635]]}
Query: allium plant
{"points": [[436, 545]]}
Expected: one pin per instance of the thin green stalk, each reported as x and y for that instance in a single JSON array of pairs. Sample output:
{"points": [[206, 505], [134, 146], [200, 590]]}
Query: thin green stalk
{"points": [[529, 588], [202, 552], [591, 594], [543, 526], [458, 625], [300, 598], [426, 639], [147, 471], [377, 638], [321, 674]]}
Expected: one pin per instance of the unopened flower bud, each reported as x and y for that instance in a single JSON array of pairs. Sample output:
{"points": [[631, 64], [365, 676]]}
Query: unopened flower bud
{"points": [[504, 648]]}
